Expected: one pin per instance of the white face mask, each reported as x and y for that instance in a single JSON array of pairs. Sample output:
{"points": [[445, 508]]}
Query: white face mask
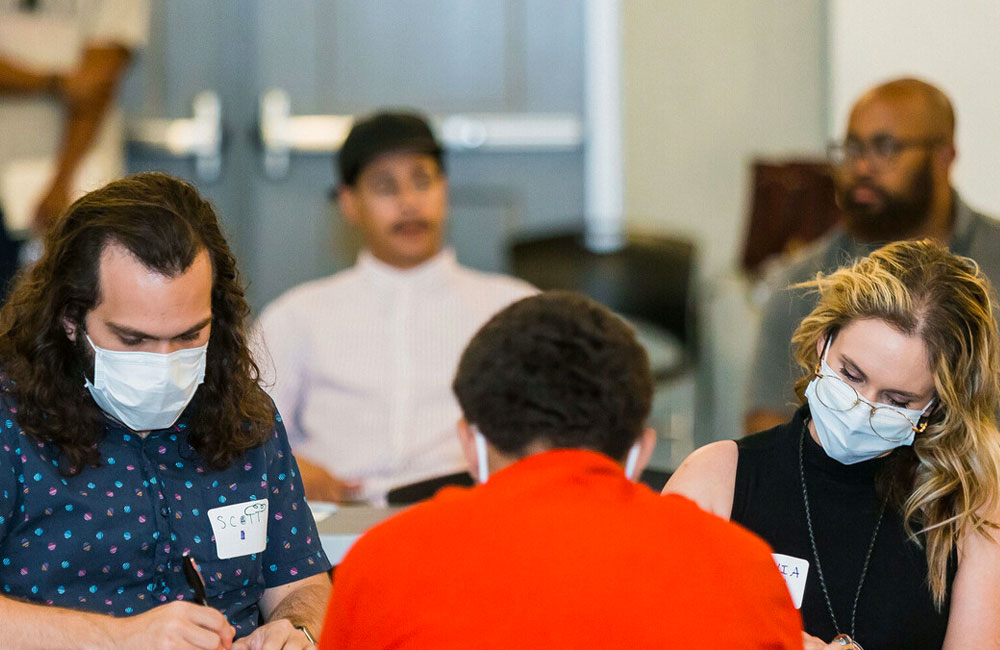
{"points": [[846, 432], [483, 467], [146, 390]]}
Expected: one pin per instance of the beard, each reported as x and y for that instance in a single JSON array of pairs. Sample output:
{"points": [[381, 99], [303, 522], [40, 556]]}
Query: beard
{"points": [[893, 216]]}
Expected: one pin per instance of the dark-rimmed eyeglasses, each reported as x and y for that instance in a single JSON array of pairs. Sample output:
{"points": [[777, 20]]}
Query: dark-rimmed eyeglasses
{"points": [[882, 151]]}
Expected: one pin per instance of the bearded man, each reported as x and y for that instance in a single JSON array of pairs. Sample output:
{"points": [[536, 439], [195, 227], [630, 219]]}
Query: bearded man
{"points": [[892, 175]]}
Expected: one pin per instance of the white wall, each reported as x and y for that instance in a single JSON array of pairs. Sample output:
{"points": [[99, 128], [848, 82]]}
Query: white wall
{"points": [[708, 85], [953, 44]]}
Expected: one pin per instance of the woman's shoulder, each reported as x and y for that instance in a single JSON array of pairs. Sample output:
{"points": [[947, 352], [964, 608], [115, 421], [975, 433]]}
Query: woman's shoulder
{"points": [[707, 477]]}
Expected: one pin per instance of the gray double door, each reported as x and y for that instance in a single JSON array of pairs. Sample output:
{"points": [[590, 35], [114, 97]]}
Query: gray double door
{"points": [[342, 57]]}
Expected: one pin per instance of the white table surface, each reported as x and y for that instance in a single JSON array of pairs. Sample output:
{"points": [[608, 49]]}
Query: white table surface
{"points": [[339, 530]]}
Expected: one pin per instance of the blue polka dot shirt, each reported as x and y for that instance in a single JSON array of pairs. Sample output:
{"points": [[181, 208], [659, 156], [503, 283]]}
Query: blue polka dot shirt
{"points": [[110, 539]]}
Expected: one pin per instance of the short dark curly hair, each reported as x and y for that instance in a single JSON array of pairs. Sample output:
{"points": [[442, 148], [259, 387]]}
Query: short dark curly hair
{"points": [[556, 368]]}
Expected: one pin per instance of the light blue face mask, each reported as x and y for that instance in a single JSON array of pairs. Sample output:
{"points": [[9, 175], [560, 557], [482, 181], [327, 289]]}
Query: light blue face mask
{"points": [[850, 428], [483, 467], [146, 390]]}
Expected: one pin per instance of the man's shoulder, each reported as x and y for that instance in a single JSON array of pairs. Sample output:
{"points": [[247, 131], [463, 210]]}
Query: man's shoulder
{"points": [[307, 296], [787, 304], [981, 242], [824, 255], [506, 288], [710, 536], [425, 527], [451, 503]]}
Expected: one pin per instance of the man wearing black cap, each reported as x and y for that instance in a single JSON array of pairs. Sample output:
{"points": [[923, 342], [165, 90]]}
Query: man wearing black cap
{"points": [[362, 360]]}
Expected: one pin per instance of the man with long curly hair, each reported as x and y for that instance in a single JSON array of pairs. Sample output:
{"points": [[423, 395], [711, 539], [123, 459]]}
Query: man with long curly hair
{"points": [[133, 433]]}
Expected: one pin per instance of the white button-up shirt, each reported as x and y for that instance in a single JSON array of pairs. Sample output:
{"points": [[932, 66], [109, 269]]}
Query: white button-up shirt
{"points": [[362, 363]]}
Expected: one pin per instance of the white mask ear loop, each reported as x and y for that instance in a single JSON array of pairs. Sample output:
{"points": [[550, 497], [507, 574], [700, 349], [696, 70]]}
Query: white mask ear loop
{"points": [[481, 454], [631, 461]]}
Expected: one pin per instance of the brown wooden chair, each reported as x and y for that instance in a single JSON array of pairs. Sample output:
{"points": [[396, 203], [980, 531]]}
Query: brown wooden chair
{"points": [[792, 204]]}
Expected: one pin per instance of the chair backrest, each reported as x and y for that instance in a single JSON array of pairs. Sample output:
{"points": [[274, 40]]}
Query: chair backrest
{"points": [[792, 204], [411, 493], [650, 279]]}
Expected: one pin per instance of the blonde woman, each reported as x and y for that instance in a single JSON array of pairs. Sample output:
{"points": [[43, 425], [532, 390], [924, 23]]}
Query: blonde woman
{"points": [[881, 494]]}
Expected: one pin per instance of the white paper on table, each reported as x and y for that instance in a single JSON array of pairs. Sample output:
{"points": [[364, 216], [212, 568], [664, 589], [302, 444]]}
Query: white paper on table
{"points": [[321, 509]]}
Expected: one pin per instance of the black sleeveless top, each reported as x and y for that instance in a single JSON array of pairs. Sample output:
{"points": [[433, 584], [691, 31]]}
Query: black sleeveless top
{"points": [[895, 610]]}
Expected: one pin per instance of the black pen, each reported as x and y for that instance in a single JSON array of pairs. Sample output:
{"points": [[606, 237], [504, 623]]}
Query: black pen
{"points": [[194, 579]]}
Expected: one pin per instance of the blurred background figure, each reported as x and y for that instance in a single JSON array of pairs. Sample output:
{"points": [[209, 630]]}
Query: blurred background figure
{"points": [[892, 172], [60, 66], [362, 360]]}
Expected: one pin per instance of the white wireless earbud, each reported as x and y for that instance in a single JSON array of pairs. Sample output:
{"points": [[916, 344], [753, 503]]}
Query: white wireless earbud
{"points": [[481, 454], [631, 461]]}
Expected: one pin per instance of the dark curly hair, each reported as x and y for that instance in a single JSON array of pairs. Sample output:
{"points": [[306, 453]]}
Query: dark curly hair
{"points": [[556, 368], [165, 223]]}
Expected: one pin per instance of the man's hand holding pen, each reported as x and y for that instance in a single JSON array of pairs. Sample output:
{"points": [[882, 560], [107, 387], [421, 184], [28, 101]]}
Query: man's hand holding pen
{"points": [[178, 625]]}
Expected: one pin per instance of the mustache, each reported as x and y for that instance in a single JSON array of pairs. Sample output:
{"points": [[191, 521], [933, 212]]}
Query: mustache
{"points": [[407, 224]]}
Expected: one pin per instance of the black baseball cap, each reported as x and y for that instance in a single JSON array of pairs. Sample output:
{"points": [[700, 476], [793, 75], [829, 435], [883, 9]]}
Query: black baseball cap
{"points": [[381, 133]]}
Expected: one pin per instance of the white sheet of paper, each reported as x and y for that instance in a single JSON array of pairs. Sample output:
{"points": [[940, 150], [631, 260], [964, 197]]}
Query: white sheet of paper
{"points": [[321, 509], [794, 570], [240, 529]]}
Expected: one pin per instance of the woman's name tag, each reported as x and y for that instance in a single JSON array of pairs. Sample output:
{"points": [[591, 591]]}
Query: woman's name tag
{"points": [[794, 570]]}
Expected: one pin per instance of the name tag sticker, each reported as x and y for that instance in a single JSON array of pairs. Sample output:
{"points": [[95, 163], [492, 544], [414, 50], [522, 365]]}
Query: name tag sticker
{"points": [[240, 529], [794, 571]]}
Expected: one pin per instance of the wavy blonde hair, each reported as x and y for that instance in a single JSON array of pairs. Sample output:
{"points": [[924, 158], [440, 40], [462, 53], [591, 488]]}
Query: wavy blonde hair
{"points": [[951, 475]]}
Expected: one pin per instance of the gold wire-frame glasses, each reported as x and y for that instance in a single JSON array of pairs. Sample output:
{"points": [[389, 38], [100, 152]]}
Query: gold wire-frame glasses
{"points": [[884, 419]]}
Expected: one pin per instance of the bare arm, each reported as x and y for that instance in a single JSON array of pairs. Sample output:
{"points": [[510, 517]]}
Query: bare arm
{"points": [[708, 477], [177, 626], [974, 617], [285, 608], [87, 93], [16, 79], [320, 485], [302, 602]]}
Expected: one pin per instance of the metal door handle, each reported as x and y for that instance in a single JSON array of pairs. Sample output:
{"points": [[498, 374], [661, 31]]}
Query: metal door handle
{"points": [[282, 133], [199, 136]]}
